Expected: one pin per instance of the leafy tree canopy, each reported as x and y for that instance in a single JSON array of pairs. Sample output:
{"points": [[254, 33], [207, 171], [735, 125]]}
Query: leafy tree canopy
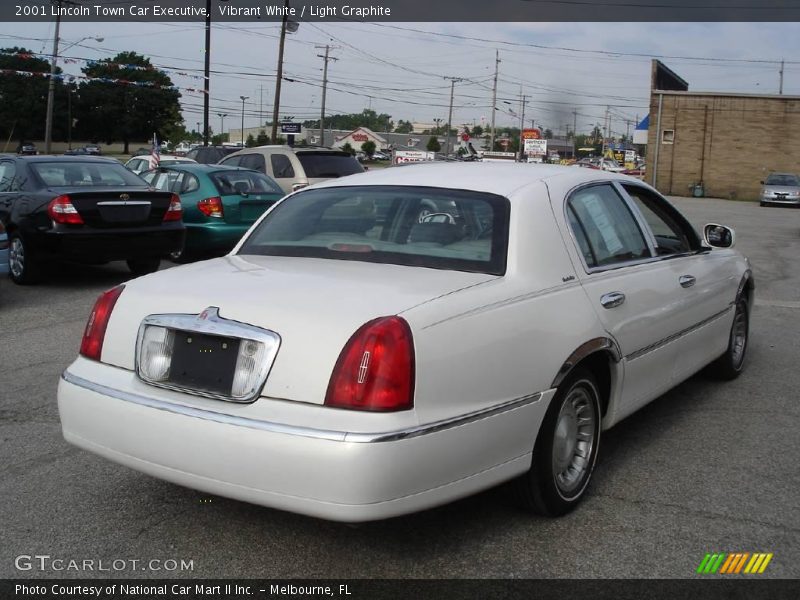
{"points": [[136, 101], [367, 118], [23, 97], [433, 144]]}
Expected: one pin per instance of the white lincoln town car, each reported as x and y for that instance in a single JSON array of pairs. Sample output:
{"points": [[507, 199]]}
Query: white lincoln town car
{"points": [[391, 341]]}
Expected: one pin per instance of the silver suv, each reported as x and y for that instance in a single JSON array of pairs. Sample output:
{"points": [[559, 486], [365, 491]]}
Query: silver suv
{"points": [[295, 168]]}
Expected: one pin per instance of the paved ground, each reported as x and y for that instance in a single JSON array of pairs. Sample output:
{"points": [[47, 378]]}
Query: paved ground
{"points": [[707, 467]]}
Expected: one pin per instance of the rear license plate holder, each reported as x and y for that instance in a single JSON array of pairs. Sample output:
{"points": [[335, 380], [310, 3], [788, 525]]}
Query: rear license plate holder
{"points": [[205, 363]]}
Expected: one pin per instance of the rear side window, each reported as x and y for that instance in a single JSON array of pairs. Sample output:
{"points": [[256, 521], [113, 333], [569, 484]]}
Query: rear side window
{"points": [[673, 235], [253, 161], [281, 166], [415, 226], [233, 161], [7, 170], [329, 164], [232, 181], [606, 230]]}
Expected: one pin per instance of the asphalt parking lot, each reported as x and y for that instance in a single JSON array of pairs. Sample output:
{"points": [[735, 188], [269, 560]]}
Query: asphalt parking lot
{"points": [[707, 467]]}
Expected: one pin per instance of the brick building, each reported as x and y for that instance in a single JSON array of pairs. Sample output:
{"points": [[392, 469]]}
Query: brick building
{"points": [[728, 142]]}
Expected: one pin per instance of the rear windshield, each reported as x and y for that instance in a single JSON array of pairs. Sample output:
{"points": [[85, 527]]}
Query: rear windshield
{"points": [[244, 182], [779, 179], [427, 227], [329, 164], [85, 174]]}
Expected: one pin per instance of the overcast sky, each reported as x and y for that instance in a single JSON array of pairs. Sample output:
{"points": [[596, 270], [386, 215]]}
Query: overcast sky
{"points": [[401, 68]]}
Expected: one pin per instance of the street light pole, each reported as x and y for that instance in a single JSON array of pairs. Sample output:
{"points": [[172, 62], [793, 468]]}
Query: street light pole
{"points": [[222, 125], [243, 99]]}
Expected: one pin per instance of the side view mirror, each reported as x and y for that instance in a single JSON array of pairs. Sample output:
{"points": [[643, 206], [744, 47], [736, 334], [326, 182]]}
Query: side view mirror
{"points": [[719, 236]]}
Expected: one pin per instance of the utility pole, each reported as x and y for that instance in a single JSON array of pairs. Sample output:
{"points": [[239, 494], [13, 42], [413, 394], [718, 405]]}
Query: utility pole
{"points": [[207, 74], [521, 127], [494, 95], [51, 87], [780, 88], [279, 75], [243, 99], [574, 131], [324, 91], [261, 109], [449, 117], [605, 134]]}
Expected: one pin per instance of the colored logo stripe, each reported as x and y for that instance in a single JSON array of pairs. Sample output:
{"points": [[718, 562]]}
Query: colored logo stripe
{"points": [[734, 563]]}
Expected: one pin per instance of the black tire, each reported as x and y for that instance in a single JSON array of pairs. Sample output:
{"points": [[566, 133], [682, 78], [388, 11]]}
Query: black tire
{"points": [[762, 203], [550, 488], [731, 364], [143, 266], [24, 269]]}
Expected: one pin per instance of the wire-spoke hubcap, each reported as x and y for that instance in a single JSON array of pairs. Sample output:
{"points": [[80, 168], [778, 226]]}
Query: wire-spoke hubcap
{"points": [[574, 439], [16, 257], [739, 336]]}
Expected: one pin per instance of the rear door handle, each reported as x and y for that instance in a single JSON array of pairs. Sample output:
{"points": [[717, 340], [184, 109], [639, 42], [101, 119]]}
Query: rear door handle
{"points": [[612, 299], [686, 280]]}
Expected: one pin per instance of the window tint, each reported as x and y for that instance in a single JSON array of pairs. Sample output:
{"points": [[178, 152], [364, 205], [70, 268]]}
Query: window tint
{"points": [[85, 174], [782, 179], [190, 184], [281, 166], [231, 181], [329, 164], [253, 161], [413, 226], [7, 170], [609, 232], [673, 235]]}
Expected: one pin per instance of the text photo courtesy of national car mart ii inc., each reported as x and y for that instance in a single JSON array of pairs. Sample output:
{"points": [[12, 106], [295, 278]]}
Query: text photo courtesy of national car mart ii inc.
{"points": [[196, 590]]}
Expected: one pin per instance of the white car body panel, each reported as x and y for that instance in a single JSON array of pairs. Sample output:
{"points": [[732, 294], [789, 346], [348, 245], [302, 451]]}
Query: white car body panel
{"points": [[489, 350]]}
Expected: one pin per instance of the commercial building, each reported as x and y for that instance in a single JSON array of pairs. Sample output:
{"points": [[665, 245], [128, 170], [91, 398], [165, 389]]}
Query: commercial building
{"points": [[715, 143]]}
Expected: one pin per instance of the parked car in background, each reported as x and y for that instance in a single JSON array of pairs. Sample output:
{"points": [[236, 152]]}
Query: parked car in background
{"points": [[378, 155], [209, 155], [88, 209], [76, 152], [140, 164], [3, 250], [93, 149], [219, 203], [780, 189], [295, 168], [27, 148], [355, 359]]}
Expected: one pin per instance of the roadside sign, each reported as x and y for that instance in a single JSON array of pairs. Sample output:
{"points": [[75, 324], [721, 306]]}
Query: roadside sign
{"points": [[290, 127], [531, 134], [409, 156], [535, 147]]}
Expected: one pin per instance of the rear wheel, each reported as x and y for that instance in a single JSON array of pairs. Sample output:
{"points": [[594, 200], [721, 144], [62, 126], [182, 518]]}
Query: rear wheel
{"points": [[731, 364], [24, 269], [566, 449], [143, 266]]}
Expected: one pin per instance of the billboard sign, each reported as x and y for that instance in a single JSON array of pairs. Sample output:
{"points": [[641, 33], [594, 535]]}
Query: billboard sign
{"points": [[410, 156], [290, 127], [535, 147]]}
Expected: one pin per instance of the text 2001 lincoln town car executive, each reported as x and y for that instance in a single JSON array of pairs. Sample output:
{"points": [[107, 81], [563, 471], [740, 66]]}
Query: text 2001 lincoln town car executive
{"points": [[387, 342]]}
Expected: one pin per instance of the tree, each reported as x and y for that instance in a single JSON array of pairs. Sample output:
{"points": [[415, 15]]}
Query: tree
{"points": [[547, 134], [23, 98], [262, 139], [368, 148], [126, 100], [403, 127], [348, 148], [251, 141], [433, 144], [477, 131], [367, 118]]}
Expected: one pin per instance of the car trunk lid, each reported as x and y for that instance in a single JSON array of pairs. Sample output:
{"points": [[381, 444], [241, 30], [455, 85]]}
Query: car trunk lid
{"points": [[314, 305], [110, 208]]}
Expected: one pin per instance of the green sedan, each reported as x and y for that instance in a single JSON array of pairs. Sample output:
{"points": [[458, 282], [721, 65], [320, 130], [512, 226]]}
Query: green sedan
{"points": [[219, 203]]}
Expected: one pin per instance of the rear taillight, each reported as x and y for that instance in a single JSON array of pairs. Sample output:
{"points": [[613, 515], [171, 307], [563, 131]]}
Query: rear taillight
{"points": [[95, 332], [211, 207], [61, 210], [175, 211], [375, 370]]}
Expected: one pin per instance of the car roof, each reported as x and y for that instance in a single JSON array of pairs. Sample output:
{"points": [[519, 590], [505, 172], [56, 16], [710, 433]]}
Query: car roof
{"points": [[193, 167], [494, 178], [62, 158]]}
